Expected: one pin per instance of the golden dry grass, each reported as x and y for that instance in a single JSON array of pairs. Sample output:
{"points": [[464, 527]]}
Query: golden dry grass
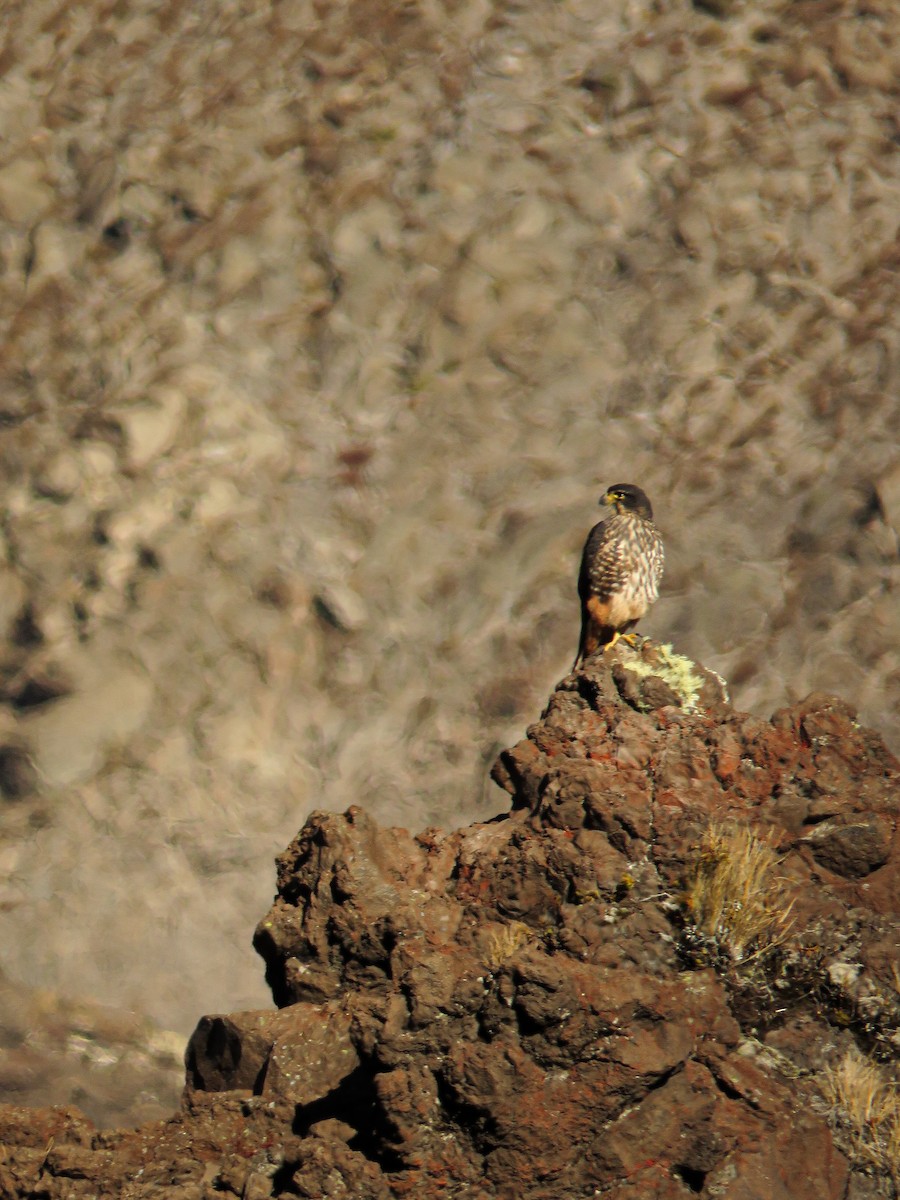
{"points": [[733, 894], [866, 1107], [503, 943]]}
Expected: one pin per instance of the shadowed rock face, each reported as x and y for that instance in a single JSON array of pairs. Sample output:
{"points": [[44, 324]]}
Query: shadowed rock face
{"points": [[539, 1006]]}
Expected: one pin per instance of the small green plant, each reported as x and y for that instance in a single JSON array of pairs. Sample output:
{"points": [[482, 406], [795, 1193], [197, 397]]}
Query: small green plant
{"points": [[624, 886], [732, 896]]}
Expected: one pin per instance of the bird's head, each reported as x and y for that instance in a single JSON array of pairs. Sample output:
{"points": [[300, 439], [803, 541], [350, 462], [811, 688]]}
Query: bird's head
{"points": [[627, 498]]}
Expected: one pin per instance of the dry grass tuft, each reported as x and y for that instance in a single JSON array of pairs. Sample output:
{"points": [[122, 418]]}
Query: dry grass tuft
{"points": [[866, 1107], [733, 896], [503, 943]]}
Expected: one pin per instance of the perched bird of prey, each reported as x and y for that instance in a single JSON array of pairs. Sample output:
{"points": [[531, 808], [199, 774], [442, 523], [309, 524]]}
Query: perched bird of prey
{"points": [[621, 567]]}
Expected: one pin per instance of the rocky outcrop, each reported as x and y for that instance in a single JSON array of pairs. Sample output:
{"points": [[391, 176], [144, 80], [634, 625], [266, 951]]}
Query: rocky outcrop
{"points": [[638, 982], [325, 323]]}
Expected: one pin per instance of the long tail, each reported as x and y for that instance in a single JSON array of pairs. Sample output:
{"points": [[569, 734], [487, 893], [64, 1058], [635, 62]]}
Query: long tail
{"points": [[587, 642], [593, 638]]}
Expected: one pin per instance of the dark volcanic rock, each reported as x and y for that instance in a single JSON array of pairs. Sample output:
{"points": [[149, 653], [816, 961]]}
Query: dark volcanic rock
{"points": [[540, 1006]]}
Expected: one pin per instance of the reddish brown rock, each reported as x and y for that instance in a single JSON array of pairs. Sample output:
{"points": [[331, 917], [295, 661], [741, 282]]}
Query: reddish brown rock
{"points": [[531, 1007]]}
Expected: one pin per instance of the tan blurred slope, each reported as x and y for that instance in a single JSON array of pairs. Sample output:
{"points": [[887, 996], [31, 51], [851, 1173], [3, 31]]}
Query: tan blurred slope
{"points": [[325, 327], [114, 1066]]}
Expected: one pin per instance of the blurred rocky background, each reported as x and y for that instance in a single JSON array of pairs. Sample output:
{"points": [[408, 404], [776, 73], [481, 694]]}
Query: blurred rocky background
{"points": [[324, 326]]}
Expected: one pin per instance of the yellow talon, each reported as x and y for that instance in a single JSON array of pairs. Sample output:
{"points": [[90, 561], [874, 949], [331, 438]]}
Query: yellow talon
{"points": [[630, 638]]}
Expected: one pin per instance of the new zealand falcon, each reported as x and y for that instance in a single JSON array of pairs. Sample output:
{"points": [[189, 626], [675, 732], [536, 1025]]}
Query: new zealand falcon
{"points": [[621, 567]]}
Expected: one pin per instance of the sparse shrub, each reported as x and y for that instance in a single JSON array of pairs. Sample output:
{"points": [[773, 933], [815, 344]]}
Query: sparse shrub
{"points": [[732, 897], [865, 1108]]}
